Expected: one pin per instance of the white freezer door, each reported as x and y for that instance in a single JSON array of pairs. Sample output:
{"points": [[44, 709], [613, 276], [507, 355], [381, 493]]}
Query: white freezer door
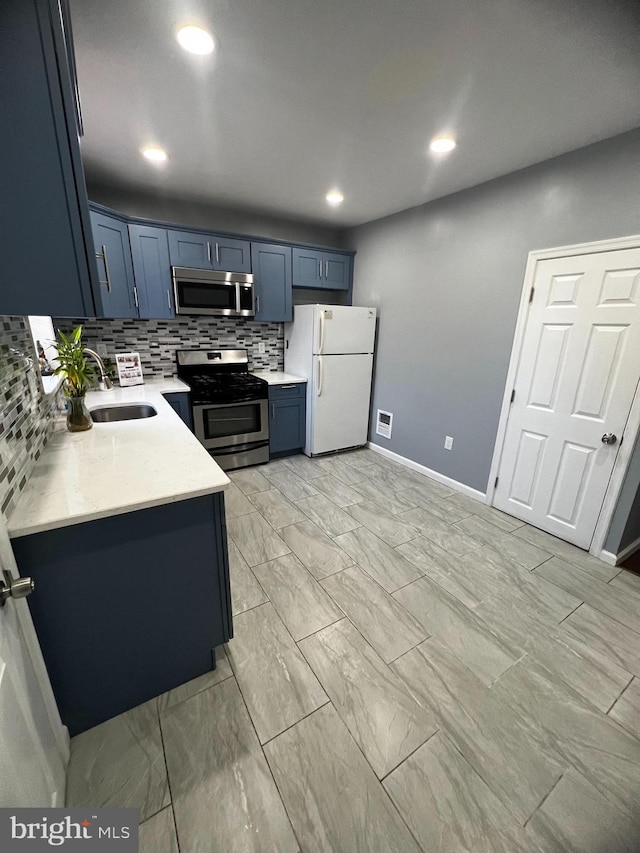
{"points": [[340, 395], [343, 329]]}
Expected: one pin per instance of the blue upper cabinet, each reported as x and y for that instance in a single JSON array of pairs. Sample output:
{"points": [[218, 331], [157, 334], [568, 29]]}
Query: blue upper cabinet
{"points": [[209, 252], [46, 249], [318, 269], [272, 280], [152, 271], [117, 290]]}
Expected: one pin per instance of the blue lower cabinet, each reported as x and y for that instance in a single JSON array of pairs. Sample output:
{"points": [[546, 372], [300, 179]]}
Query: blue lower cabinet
{"points": [[129, 607], [287, 418], [181, 404]]}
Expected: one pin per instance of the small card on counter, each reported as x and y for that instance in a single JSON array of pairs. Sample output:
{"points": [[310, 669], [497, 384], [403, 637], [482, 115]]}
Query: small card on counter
{"points": [[129, 368]]}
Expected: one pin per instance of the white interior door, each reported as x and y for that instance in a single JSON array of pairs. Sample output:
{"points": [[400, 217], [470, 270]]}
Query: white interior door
{"points": [[340, 405], [577, 376], [33, 742], [341, 329]]}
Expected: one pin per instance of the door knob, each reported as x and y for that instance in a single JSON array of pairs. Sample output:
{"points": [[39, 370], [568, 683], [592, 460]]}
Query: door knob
{"points": [[12, 587], [609, 438]]}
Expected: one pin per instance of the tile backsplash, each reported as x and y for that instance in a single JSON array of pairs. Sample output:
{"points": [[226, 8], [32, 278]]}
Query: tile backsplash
{"points": [[26, 413], [158, 340]]}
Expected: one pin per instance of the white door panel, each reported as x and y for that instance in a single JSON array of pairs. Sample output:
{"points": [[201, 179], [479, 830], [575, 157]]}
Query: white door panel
{"points": [[342, 329], [578, 371], [340, 402]]}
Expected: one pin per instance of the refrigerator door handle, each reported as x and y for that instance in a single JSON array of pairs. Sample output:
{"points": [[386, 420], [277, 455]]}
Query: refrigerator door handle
{"points": [[321, 347], [319, 386]]}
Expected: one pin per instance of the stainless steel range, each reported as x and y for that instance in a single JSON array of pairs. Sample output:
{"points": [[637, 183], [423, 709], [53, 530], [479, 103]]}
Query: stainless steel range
{"points": [[230, 408]]}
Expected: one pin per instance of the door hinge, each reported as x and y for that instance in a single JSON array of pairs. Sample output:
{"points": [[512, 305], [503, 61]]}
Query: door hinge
{"points": [[496, 483], [513, 395], [533, 290]]}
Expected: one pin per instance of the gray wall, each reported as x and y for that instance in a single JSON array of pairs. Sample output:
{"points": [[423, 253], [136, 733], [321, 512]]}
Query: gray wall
{"points": [[203, 215], [447, 279]]}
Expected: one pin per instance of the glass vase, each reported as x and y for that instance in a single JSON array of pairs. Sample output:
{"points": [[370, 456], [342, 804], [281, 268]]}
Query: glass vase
{"points": [[78, 417]]}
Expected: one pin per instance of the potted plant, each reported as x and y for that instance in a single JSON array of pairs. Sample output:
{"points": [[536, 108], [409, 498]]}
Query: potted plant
{"points": [[78, 374]]}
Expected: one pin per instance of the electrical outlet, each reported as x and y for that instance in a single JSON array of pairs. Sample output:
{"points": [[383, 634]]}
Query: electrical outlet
{"points": [[101, 349], [448, 442], [261, 347]]}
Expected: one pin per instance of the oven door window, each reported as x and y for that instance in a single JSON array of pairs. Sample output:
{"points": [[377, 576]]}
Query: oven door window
{"points": [[199, 296], [227, 421]]}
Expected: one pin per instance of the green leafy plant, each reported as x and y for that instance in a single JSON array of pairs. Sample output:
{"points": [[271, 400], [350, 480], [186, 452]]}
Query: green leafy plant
{"points": [[72, 364]]}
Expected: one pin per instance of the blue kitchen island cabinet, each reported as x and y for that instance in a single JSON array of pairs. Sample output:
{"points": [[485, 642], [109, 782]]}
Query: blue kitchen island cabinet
{"points": [[130, 606], [287, 418], [180, 402]]}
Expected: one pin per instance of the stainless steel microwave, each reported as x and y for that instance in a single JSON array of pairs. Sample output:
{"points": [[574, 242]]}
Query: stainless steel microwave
{"points": [[222, 294]]}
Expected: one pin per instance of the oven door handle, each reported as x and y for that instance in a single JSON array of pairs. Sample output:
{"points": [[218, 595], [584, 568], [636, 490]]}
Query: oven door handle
{"points": [[320, 372]]}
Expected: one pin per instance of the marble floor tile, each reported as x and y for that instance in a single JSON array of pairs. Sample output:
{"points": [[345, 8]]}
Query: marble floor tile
{"points": [[591, 674], [509, 753], [448, 806], [337, 491], [158, 833], [197, 685], [380, 618], [444, 509], [275, 466], [500, 519], [392, 478], [575, 818], [224, 796], [257, 541], [627, 580], [292, 487], [605, 635], [303, 466], [332, 796], [360, 458], [249, 480], [319, 553], [327, 515], [426, 490], [277, 510], [120, 763], [302, 604], [567, 552], [518, 550], [391, 528], [344, 472], [626, 710], [246, 592], [447, 570], [276, 682], [447, 536], [236, 502], [392, 501], [590, 741], [620, 604], [484, 650], [383, 718], [385, 565]]}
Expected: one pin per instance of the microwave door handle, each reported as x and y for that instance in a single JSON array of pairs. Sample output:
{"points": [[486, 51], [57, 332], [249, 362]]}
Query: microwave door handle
{"points": [[238, 305]]}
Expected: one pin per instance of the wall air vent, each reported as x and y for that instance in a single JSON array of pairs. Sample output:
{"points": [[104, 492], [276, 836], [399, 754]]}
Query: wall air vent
{"points": [[384, 423]]}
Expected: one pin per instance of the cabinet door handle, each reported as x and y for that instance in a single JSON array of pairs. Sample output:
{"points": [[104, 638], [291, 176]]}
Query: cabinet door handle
{"points": [[326, 269], [257, 304], [209, 251], [273, 411], [135, 296], [169, 299], [103, 257], [320, 269], [287, 387], [217, 253]]}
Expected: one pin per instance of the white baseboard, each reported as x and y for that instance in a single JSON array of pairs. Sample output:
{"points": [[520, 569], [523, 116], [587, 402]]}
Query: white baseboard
{"points": [[428, 472], [607, 557], [628, 551]]}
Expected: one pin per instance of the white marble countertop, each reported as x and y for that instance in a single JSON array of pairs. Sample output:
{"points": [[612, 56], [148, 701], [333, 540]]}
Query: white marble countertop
{"points": [[118, 467], [277, 377]]}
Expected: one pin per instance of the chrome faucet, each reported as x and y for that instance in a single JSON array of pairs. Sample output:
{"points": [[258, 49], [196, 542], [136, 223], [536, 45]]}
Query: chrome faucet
{"points": [[104, 383]]}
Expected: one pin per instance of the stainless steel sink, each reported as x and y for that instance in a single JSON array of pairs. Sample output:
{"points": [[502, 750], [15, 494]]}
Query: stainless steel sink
{"points": [[110, 414]]}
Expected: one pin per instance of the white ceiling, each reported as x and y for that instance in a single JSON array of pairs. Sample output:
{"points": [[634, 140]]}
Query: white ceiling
{"points": [[304, 95]]}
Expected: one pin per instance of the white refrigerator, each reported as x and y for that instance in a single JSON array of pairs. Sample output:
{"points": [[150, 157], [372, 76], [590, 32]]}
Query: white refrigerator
{"points": [[332, 347]]}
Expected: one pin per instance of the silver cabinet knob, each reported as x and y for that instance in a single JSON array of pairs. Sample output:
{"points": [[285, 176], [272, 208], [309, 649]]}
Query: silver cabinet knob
{"points": [[609, 438], [12, 587]]}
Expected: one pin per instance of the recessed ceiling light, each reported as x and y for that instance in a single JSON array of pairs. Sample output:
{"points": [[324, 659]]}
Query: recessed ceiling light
{"points": [[334, 197], [195, 40], [154, 153], [442, 144]]}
